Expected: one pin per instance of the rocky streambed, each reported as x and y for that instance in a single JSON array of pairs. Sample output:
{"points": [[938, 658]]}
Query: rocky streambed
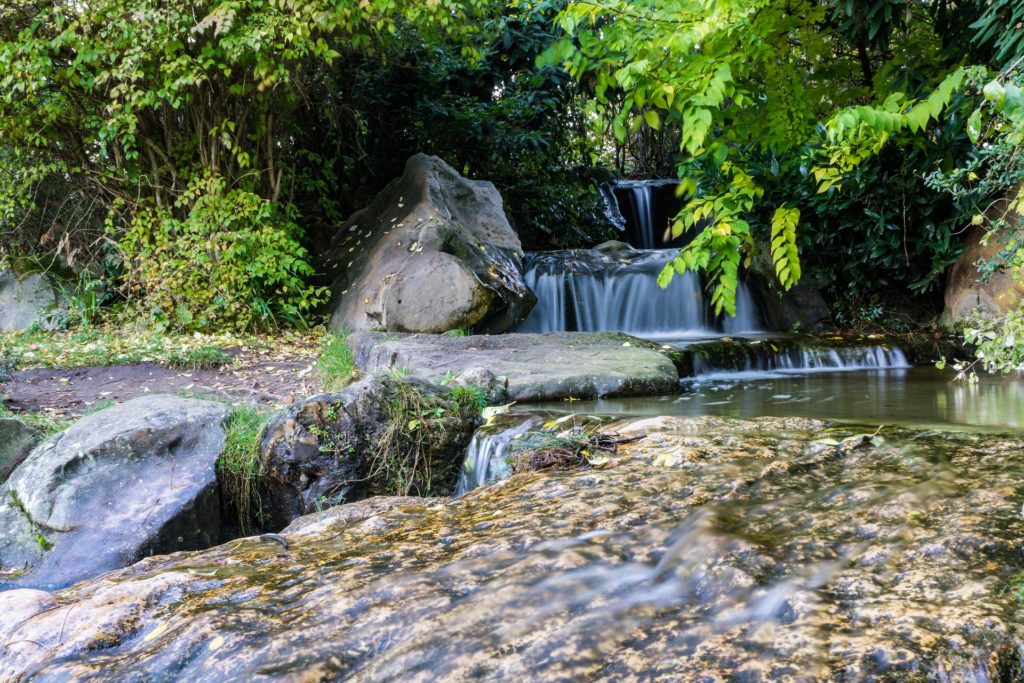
{"points": [[711, 549]]}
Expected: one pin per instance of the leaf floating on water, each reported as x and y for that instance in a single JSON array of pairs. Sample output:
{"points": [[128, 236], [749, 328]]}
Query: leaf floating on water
{"points": [[826, 442], [155, 633], [669, 459], [492, 412]]}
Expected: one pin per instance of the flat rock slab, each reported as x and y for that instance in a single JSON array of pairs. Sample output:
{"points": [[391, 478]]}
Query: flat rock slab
{"points": [[524, 367]]}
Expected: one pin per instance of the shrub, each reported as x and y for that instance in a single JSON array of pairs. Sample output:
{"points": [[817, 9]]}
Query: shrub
{"points": [[234, 261]]}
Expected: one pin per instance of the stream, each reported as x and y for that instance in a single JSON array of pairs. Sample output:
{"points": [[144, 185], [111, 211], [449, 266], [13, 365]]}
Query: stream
{"points": [[800, 511]]}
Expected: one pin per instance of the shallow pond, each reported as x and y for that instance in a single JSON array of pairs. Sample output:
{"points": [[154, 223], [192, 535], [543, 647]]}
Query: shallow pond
{"points": [[922, 396]]}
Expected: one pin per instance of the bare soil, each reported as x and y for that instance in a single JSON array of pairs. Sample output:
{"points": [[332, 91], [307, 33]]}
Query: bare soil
{"points": [[253, 379]]}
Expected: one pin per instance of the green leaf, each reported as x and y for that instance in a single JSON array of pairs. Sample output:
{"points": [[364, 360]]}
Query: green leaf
{"points": [[974, 126]]}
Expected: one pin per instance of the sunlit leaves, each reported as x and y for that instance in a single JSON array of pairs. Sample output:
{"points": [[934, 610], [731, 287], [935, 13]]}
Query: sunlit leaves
{"points": [[784, 250]]}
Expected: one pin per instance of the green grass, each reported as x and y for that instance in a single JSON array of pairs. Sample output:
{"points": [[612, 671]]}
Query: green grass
{"points": [[464, 331], [241, 466], [203, 357], [470, 397], [47, 424], [335, 362]]}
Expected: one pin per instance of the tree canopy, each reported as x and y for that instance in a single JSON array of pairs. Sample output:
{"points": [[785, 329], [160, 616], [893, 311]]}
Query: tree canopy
{"points": [[204, 153]]}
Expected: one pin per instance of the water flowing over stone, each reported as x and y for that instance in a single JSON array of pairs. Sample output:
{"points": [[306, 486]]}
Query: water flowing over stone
{"points": [[710, 550], [591, 290], [648, 207], [612, 212], [485, 461], [754, 358]]}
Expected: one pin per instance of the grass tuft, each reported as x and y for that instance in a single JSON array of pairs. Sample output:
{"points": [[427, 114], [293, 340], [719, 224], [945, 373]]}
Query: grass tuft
{"points": [[241, 465], [203, 357], [464, 331], [470, 397], [335, 362]]}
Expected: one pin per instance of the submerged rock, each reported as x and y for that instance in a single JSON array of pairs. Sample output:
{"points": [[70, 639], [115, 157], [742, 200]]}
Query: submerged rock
{"points": [[383, 435], [16, 441], [525, 367], [759, 551], [433, 252], [134, 480], [26, 300]]}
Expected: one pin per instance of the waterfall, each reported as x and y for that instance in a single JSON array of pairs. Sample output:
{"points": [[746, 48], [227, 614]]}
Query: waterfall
{"points": [[746, 359], [594, 291], [485, 456], [645, 215]]}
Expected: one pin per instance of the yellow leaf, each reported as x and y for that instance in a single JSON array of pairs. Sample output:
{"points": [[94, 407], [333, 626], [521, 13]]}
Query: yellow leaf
{"points": [[155, 633]]}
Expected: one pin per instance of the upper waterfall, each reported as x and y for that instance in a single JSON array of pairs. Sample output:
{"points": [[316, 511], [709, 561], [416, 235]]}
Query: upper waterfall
{"points": [[645, 209]]}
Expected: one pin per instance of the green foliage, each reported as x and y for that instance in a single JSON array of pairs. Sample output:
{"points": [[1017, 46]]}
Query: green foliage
{"points": [[85, 299], [815, 87], [408, 456], [176, 123], [234, 261], [335, 362], [999, 26], [473, 398], [240, 466]]}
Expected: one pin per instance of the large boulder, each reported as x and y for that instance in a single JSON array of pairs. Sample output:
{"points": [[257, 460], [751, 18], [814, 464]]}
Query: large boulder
{"points": [[965, 294], [432, 253], [525, 367], [16, 441], [26, 300], [383, 435], [134, 480]]}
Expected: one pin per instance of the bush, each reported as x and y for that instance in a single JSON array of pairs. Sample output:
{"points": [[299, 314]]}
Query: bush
{"points": [[234, 261]]}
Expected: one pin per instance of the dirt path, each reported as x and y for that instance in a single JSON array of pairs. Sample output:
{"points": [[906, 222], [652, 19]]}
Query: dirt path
{"points": [[249, 379]]}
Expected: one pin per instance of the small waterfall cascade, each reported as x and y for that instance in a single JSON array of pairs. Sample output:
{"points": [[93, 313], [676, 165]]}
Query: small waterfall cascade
{"points": [[485, 460], [714, 360], [617, 291], [646, 207]]}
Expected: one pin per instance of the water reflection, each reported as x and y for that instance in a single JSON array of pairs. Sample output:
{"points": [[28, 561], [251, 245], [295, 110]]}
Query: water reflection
{"points": [[915, 396]]}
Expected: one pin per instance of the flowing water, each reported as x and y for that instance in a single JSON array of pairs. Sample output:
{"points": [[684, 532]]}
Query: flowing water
{"points": [[710, 550], [647, 207], [591, 291]]}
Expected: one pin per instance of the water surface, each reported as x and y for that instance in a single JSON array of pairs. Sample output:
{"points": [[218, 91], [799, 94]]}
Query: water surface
{"points": [[924, 397]]}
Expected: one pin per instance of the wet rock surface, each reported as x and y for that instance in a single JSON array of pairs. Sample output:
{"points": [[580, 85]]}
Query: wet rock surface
{"points": [[16, 441], [711, 550], [330, 448], [134, 480], [525, 367], [433, 252]]}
